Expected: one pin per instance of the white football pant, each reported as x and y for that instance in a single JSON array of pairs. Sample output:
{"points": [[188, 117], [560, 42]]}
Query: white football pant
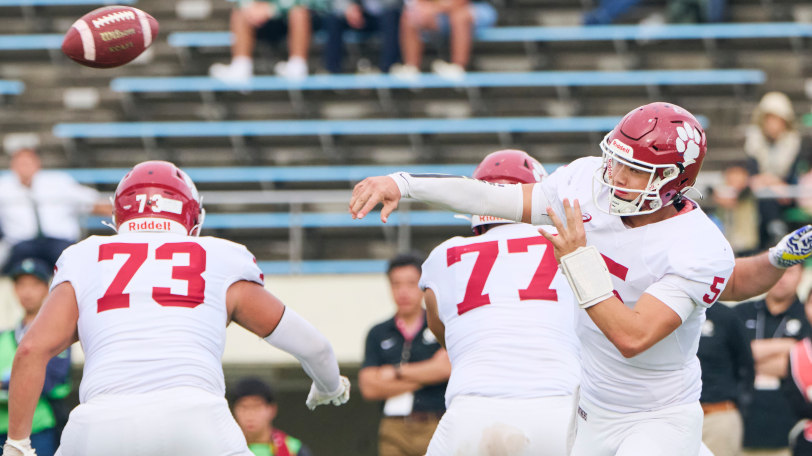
{"points": [[484, 426], [183, 421], [673, 431]]}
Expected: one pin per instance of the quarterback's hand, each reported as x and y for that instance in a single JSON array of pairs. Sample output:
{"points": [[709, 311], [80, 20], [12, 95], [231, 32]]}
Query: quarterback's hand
{"points": [[18, 448], [794, 248], [371, 191], [337, 397], [572, 236]]}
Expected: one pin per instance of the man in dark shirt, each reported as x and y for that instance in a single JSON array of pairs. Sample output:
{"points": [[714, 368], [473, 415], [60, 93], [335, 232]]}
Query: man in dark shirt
{"points": [[797, 386], [727, 369], [773, 325], [405, 366]]}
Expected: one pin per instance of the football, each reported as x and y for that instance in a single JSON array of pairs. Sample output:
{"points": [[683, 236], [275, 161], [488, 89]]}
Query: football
{"points": [[109, 37]]}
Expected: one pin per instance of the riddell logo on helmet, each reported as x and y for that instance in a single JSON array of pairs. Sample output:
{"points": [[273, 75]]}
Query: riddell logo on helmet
{"points": [[491, 219], [157, 225], [620, 147]]}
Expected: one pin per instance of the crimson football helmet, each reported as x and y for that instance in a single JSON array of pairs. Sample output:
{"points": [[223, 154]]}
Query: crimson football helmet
{"points": [[661, 139], [158, 190], [508, 166]]}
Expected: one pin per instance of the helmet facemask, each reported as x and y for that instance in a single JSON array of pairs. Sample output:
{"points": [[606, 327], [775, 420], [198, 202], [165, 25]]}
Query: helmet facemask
{"points": [[648, 199]]}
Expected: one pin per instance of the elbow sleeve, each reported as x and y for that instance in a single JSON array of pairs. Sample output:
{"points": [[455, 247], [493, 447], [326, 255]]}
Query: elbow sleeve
{"points": [[296, 336], [462, 194]]}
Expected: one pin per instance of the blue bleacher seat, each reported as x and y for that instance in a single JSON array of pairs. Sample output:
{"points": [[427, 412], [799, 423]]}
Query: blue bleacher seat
{"points": [[45, 41], [323, 267], [63, 2], [11, 87], [285, 220], [483, 79], [336, 127], [578, 33], [647, 32], [234, 174], [316, 220]]}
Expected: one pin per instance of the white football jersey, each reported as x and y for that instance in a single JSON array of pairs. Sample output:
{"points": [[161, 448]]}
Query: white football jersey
{"points": [[152, 310], [508, 315], [688, 252]]}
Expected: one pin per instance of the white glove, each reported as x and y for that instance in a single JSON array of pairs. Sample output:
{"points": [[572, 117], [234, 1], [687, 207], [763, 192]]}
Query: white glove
{"points": [[794, 248], [18, 448], [337, 397]]}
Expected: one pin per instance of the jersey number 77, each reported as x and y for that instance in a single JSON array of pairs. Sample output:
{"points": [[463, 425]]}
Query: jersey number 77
{"points": [[539, 287]]}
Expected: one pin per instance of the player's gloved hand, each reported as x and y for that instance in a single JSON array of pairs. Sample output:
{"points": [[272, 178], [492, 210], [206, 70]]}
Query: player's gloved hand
{"points": [[794, 248], [18, 448], [337, 397]]}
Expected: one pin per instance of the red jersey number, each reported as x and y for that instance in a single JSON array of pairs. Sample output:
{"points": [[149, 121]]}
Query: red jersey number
{"points": [[716, 289], [115, 298], [539, 287]]}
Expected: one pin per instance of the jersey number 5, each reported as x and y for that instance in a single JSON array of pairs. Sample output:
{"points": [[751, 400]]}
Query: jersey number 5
{"points": [[115, 298]]}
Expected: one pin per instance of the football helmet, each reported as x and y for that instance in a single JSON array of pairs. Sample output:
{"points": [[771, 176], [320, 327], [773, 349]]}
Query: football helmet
{"points": [[508, 166], [157, 190], [661, 139]]}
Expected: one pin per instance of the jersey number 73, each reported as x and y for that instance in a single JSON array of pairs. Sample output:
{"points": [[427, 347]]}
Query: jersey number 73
{"points": [[115, 298]]}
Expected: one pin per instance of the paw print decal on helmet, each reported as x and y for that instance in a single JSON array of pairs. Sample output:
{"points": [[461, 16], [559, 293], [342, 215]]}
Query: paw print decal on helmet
{"points": [[688, 142]]}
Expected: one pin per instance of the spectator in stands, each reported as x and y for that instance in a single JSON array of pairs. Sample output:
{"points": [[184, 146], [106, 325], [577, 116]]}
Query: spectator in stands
{"points": [[459, 17], [773, 326], [366, 16], [778, 156], [40, 211], [678, 11], [727, 369], [797, 386], [736, 208], [272, 21], [254, 409], [405, 366], [31, 278]]}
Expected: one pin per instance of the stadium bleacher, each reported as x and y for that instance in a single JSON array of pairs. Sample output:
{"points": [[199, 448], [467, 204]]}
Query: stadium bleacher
{"points": [[10, 87], [165, 108], [426, 80], [577, 33], [13, 3]]}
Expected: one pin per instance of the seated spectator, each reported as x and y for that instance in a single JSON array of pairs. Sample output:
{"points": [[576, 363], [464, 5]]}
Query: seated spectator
{"points": [[773, 326], [459, 17], [678, 11], [727, 370], [31, 278], [254, 409], [367, 16], [798, 389], [696, 11], [736, 208], [777, 156], [272, 21], [40, 210]]}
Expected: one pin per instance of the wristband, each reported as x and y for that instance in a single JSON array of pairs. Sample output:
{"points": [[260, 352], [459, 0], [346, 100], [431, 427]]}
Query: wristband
{"points": [[588, 276]]}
